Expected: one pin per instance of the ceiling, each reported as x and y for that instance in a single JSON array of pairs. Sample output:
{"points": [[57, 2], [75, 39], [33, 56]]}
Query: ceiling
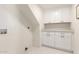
{"points": [[53, 6]]}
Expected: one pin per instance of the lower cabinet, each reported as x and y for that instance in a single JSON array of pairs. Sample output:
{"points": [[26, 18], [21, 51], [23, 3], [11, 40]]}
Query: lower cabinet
{"points": [[61, 40], [51, 40]]}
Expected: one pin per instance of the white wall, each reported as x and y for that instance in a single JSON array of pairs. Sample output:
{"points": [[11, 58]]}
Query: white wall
{"points": [[75, 27], [3, 19], [36, 10], [3, 25], [18, 36], [58, 14]]}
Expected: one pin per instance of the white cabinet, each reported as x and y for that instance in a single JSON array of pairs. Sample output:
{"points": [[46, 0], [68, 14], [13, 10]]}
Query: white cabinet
{"points": [[61, 40], [45, 38], [67, 39], [58, 41], [52, 38]]}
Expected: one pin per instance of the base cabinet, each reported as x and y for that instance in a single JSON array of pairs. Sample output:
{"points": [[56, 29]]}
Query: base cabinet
{"points": [[61, 40]]}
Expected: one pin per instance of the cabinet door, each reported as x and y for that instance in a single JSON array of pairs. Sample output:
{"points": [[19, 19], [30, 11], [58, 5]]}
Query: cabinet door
{"points": [[47, 39], [67, 41], [64, 41], [45, 36], [51, 40], [58, 41]]}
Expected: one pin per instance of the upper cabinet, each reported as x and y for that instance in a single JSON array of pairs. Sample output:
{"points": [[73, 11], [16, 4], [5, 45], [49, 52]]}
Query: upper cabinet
{"points": [[61, 14]]}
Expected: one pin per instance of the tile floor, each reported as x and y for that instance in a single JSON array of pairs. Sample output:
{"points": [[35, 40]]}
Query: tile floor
{"points": [[45, 50]]}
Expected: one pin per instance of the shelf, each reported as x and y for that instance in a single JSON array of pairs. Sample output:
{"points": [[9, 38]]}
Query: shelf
{"points": [[58, 23], [63, 26], [56, 30]]}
